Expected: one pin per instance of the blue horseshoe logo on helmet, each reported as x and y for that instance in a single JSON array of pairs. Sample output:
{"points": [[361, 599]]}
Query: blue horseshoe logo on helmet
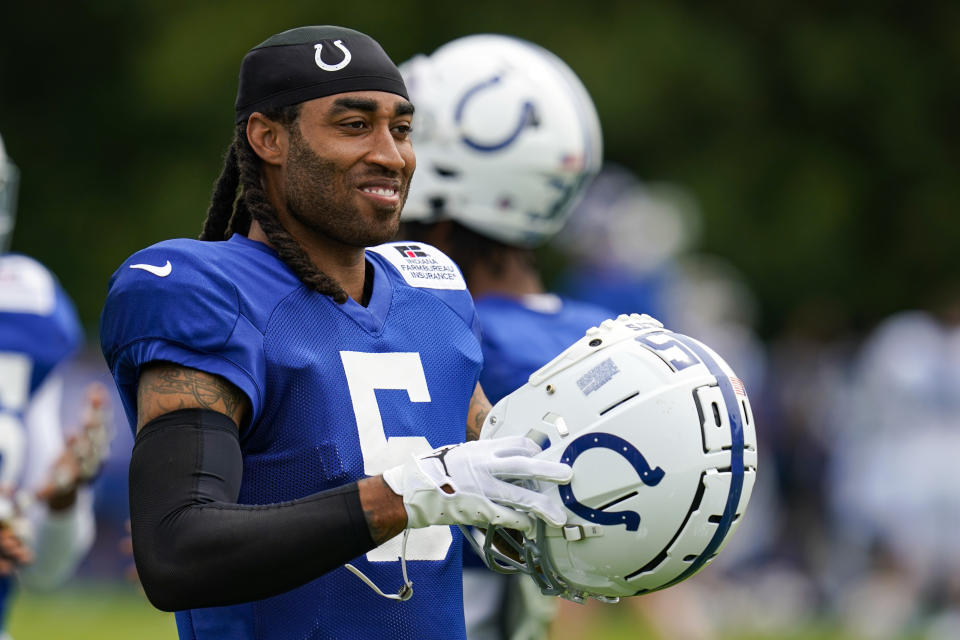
{"points": [[528, 116], [649, 477], [318, 56]]}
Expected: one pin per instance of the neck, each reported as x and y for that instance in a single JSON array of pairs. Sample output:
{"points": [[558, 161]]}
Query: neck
{"points": [[345, 264], [514, 278]]}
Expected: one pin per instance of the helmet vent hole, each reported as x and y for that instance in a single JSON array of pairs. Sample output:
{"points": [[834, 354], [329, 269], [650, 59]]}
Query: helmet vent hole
{"points": [[596, 342], [663, 554], [620, 402], [438, 205], [650, 566], [746, 414], [445, 172], [717, 519], [690, 558], [616, 501], [716, 414], [701, 489]]}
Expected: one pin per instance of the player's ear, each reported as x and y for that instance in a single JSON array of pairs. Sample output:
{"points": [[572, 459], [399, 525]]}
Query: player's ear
{"points": [[268, 138]]}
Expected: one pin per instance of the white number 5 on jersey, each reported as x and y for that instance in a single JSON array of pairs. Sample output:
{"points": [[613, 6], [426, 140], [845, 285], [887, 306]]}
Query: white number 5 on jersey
{"points": [[365, 373]]}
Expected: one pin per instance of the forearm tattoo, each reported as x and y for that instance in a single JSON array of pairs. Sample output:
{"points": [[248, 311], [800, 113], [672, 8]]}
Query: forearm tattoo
{"points": [[166, 387], [477, 413]]}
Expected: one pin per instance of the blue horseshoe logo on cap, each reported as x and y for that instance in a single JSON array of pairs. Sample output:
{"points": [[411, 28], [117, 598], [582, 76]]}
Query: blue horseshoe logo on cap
{"points": [[649, 477], [318, 57], [528, 115]]}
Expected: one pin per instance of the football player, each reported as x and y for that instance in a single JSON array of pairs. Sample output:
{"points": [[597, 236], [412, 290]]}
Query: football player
{"points": [[301, 389], [507, 140], [46, 514]]}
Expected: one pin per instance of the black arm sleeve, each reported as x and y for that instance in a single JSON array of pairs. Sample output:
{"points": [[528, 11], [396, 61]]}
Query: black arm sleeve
{"points": [[194, 546]]}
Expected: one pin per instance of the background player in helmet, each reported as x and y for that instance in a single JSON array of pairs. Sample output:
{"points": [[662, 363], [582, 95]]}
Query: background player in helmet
{"points": [[507, 138], [289, 377], [46, 515]]}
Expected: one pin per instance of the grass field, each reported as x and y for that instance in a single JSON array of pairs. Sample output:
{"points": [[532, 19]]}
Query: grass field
{"points": [[89, 612], [119, 612]]}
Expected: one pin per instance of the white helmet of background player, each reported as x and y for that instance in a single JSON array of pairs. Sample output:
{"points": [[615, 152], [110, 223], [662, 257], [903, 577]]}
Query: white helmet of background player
{"points": [[9, 179], [660, 435], [506, 138]]}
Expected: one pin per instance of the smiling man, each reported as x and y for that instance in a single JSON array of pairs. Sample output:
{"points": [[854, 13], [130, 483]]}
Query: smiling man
{"points": [[301, 392]]}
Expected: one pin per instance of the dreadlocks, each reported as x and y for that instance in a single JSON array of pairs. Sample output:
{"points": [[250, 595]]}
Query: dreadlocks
{"points": [[231, 211]]}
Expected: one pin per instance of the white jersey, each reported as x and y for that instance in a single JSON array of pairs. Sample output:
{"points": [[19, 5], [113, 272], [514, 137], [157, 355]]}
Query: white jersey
{"points": [[39, 331]]}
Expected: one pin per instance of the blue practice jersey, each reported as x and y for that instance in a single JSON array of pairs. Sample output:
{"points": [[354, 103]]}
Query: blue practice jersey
{"points": [[39, 329], [338, 392], [522, 335]]}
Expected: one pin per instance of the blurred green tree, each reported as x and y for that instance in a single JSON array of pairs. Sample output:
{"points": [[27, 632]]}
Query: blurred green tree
{"points": [[821, 141]]}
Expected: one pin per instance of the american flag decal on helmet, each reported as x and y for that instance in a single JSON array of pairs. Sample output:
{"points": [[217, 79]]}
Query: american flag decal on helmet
{"points": [[738, 387]]}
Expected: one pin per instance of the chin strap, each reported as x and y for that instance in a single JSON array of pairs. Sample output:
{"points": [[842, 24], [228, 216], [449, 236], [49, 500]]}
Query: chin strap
{"points": [[406, 591]]}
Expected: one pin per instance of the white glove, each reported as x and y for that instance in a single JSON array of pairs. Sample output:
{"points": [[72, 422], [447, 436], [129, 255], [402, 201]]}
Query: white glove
{"points": [[469, 484]]}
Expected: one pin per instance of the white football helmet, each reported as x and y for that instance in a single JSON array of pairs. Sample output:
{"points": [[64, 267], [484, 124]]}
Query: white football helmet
{"points": [[661, 438], [9, 179], [506, 138]]}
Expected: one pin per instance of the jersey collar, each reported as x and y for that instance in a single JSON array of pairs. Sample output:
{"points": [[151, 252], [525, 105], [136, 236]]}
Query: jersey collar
{"points": [[371, 317]]}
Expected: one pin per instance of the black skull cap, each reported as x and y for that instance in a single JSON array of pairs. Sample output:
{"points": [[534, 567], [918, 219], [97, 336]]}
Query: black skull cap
{"points": [[312, 62]]}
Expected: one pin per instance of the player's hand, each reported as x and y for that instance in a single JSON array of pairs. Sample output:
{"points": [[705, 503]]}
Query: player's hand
{"points": [[84, 454], [471, 484], [14, 550]]}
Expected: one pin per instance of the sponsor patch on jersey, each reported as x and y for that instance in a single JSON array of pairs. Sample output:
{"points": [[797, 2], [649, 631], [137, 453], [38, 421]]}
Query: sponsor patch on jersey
{"points": [[422, 266]]}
